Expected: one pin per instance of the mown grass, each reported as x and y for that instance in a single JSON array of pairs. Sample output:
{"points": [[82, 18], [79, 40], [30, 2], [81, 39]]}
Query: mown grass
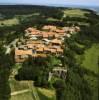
{"points": [[9, 22], [91, 58], [23, 96], [75, 13], [46, 94], [17, 85], [15, 20]]}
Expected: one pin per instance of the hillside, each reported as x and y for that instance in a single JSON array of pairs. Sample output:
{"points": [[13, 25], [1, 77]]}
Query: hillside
{"points": [[29, 79]]}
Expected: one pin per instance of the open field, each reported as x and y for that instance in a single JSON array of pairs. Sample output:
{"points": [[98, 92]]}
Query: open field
{"points": [[20, 90], [75, 13], [17, 86], [46, 94], [90, 62], [91, 58], [23, 96], [9, 22]]}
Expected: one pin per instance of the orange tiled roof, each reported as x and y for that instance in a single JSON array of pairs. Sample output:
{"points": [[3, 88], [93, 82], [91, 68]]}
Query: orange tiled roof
{"points": [[39, 55], [59, 50], [56, 35], [50, 34], [53, 50], [56, 41], [40, 49], [60, 31], [46, 49], [34, 33], [40, 45], [33, 42], [45, 35], [30, 45], [31, 30], [51, 27], [23, 52]]}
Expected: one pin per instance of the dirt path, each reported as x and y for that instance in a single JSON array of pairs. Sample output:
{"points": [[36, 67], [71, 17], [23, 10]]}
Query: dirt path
{"points": [[19, 92]]}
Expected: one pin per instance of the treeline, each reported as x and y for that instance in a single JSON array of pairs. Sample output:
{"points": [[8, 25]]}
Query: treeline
{"points": [[89, 18], [6, 63], [54, 12]]}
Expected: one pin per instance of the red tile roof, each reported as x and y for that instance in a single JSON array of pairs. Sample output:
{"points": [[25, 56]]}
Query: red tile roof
{"points": [[53, 50], [51, 27], [56, 41], [59, 50], [23, 52], [40, 49]]}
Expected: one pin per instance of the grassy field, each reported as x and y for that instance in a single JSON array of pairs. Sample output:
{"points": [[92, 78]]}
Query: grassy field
{"points": [[46, 94], [91, 57], [9, 22], [17, 86], [23, 96], [90, 62], [75, 13]]}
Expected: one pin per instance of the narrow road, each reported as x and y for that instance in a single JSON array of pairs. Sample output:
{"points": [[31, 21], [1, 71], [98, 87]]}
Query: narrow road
{"points": [[19, 92], [8, 49]]}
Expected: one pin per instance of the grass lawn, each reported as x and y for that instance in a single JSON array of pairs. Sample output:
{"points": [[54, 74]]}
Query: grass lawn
{"points": [[17, 86], [46, 94], [75, 13], [23, 96], [90, 61], [91, 57], [51, 19], [9, 22]]}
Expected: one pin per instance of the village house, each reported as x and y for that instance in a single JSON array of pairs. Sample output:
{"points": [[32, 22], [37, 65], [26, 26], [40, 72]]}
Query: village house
{"points": [[22, 55], [49, 27], [39, 44]]}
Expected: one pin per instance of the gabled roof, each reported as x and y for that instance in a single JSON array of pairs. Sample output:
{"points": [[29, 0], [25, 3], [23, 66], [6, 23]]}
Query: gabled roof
{"points": [[51, 27], [30, 45], [56, 41], [59, 50], [53, 50], [39, 55], [40, 49], [56, 35], [45, 35], [46, 49], [23, 52], [60, 31]]}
